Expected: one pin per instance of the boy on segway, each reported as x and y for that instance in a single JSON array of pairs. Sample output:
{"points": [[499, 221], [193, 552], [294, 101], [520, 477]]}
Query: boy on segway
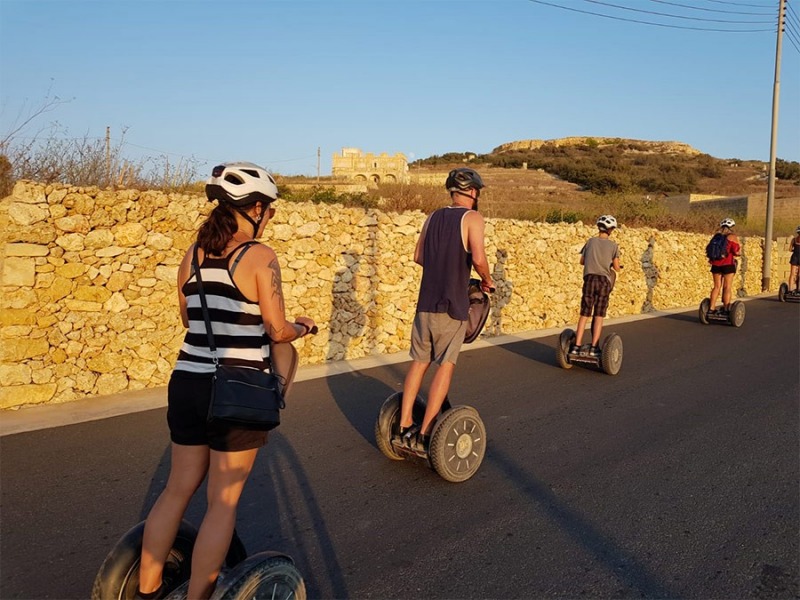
{"points": [[600, 260]]}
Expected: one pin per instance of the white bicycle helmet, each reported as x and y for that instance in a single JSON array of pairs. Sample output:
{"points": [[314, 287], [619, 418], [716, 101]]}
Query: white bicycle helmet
{"points": [[242, 184], [606, 222], [797, 230], [729, 223]]}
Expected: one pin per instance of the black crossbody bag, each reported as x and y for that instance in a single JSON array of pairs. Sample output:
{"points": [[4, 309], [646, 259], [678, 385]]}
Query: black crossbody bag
{"points": [[240, 396]]}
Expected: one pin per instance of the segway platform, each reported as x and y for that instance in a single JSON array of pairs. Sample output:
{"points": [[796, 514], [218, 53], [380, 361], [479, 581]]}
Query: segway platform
{"points": [[734, 316], [457, 443], [784, 295], [609, 360]]}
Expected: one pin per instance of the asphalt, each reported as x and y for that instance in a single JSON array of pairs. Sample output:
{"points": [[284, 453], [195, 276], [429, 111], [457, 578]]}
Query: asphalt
{"points": [[33, 418]]}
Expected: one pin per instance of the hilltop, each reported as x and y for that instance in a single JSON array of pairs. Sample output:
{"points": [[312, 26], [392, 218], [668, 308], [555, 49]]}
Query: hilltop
{"points": [[618, 165]]}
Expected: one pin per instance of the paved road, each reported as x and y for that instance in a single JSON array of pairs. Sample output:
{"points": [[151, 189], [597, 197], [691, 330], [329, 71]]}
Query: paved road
{"points": [[676, 479]]}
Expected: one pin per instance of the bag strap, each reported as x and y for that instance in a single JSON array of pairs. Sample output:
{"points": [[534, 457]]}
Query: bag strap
{"points": [[204, 304]]}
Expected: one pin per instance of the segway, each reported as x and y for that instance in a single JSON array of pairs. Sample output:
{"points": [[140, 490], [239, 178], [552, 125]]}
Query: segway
{"points": [[734, 316], [457, 443], [609, 359], [785, 295], [264, 575], [458, 437]]}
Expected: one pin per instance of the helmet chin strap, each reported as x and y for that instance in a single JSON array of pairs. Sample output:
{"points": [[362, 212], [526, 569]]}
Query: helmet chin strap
{"points": [[474, 200], [255, 223]]}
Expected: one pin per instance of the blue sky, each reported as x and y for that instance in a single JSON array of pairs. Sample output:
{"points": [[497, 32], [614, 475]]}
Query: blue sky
{"points": [[271, 81]]}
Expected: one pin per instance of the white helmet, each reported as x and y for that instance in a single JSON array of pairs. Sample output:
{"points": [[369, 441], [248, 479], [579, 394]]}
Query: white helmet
{"points": [[797, 230], [241, 184], [727, 223], [606, 222]]}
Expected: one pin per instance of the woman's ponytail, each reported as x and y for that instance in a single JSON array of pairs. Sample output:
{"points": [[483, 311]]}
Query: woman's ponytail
{"points": [[217, 230]]}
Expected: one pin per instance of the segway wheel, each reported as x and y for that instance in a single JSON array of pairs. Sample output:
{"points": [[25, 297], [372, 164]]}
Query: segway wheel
{"points": [[565, 340], [118, 577], [389, 420], [705, 306], [458, 444], [783, 291], [263, 575], [611, 354], [736, 316]]}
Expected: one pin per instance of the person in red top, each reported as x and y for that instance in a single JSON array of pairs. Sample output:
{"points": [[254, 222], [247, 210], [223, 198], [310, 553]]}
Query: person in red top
{"points": [[724, 269]]}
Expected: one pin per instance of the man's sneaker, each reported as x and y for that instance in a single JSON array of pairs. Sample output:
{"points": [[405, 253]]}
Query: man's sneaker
{"points": [[409, 434], [594, 351], [574, 350]]}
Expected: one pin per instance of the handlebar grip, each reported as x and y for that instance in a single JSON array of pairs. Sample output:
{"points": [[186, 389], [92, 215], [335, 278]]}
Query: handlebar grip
{"points": [[314, 330]]}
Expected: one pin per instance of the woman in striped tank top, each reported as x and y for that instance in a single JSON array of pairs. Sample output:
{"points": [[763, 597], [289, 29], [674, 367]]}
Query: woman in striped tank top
{"points": [[242, 283]]}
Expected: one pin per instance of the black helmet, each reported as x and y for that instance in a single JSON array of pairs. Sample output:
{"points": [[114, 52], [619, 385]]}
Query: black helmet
{"points": [[463, 178]]}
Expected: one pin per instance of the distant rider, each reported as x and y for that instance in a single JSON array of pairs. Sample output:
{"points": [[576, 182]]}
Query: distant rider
{"points": [[600, 260], [723, 269]]}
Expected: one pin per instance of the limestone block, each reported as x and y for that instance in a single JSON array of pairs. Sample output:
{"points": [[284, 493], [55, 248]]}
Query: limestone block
{"points": [[41, 376], [15, 374], [109, 252], [19, 271], [19, 395], [159, 241], [73, 224], [91, 293], [57, 211], [116, 303], [16, 316], [83, 306], [130, 234], [99, 238], [71, 270], [56, 196], [282, 232], [146, 282], [71, 242], [60, 287], [111, 383], [16, 350], [141, 370], [21, 213], [45, 280], [106, 362], [24, 249], [85, 381]]}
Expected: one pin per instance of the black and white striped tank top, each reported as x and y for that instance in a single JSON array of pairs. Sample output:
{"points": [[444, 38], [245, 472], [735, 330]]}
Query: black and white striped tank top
{"points": [[236, 322]]}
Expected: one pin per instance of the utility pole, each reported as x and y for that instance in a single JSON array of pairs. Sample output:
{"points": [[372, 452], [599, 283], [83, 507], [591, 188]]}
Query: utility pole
{"points": [[108, 157], [776, 93], [318, 149]]}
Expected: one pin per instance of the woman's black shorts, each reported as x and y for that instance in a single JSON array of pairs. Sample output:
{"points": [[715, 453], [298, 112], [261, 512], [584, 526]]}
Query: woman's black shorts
{"points": [[188, 396], [723, 269]]}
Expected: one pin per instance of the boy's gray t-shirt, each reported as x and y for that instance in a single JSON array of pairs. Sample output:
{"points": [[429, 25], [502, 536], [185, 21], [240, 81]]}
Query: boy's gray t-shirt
{"points": [[598, 254]]}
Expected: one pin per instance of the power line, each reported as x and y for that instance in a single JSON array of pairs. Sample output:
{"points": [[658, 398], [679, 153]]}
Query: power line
{"points": [[737, 3], [660, 14], [730, 12], [586, 12], [790, 35]]}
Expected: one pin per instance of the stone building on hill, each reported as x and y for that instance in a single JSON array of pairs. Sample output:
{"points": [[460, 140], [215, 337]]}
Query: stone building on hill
{"points": [[352, 164]]}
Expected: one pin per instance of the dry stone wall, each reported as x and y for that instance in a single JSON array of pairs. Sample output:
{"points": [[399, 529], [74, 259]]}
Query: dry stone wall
{"points": [[89, 304]]}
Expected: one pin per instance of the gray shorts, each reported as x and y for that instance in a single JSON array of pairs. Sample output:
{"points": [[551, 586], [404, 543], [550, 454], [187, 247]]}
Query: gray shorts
{"points": [[436, 337]]}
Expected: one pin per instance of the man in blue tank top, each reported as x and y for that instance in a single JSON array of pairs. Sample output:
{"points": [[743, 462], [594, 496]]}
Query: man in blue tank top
{"points": [[450, 245]]}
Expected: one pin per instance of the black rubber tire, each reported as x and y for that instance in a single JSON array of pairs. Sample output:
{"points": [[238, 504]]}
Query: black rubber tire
{"points": [[389, 419], [782, 291], [566, 338], [705, 306], [458, 444], [262, 576], [611, 354], [118, 577], [736, 315]]}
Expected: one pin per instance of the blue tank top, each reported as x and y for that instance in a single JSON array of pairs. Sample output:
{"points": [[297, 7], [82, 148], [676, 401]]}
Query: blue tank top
{"points": [[446, 265]]}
